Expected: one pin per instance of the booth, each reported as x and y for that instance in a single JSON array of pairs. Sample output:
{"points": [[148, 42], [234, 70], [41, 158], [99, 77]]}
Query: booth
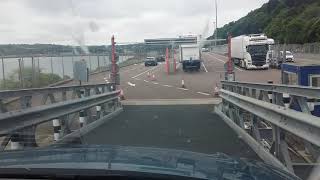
{"points": [[303, 74]]}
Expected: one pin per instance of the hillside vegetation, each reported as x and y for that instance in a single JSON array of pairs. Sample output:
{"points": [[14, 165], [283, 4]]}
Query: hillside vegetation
{"points": [[289, 21]]}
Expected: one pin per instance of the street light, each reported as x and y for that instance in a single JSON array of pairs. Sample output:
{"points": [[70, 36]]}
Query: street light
{"points": [[216, 34]]}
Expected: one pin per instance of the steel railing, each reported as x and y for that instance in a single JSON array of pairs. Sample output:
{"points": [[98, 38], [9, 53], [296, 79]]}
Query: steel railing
{"points": [[92, 105], [285, 109]]}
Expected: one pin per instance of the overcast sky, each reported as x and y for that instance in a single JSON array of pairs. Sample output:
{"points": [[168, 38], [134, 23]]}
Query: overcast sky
{"points": [[94, 21]]}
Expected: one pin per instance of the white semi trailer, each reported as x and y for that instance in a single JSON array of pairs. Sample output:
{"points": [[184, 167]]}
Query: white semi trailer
{"points": [[251, 51]]}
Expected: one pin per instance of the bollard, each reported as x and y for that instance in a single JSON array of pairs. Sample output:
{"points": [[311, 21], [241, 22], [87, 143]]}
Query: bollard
{"points": [[82, 118], [270, 95], [121, 95], [216, 91], [286, 100], [153, 77], [182, 84], [16, 142], [148, 74], [98, 109], [56, 129]]}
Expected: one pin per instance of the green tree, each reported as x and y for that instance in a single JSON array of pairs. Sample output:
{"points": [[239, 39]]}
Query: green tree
{"points": [[45, 79]]}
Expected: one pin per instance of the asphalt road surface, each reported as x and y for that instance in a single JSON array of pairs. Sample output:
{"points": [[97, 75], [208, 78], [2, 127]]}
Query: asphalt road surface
{"points": [[137, 80], [193, 128]]}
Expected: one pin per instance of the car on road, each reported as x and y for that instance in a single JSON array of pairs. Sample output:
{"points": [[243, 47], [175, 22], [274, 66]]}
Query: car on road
{"points": [[205, 49], [289, 56], [150, 61], [161, 59]]}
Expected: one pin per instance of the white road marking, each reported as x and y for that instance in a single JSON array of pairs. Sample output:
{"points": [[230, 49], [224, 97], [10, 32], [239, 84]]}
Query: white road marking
{"points": [[204, 67], [145, 72], [131, 84], [183, 89], [155, 83], [146, 81], [224, 62], [137, 79], [206, 94], [132, 69], [167, 85]]}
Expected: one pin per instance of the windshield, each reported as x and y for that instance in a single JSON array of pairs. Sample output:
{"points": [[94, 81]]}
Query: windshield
{"points": [[211, 89], [258, 49]]}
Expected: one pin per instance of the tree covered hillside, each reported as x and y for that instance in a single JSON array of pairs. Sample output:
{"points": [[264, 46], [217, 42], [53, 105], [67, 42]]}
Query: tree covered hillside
{"points": [[290, 21]]}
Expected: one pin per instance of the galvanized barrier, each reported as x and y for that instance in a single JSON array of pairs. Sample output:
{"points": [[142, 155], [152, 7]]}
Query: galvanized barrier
{"points": [[90, 104], [276, 121]]}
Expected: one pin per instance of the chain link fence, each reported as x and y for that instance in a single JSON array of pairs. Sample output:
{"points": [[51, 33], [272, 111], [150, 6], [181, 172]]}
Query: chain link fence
{"points": [[37, 71]]}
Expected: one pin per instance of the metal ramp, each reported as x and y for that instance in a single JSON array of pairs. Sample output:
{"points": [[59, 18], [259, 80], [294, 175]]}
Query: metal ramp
{"points": [[193, 127]]}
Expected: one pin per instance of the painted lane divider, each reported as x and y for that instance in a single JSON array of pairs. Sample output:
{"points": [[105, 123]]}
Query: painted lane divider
{"points": [[224, 62], [204, 67], [131, 84], [144, 72], [146, 81], [183, 89], [165, 85], [202, 93]]}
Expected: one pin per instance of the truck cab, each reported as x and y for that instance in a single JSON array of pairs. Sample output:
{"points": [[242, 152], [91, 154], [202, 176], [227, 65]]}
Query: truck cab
{"points": [[251, 51]]}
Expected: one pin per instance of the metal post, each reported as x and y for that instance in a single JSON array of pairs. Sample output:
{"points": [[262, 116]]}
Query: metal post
{"points": [[90, 63], [51, 65], [167, 60], [216, 35], [3, 74], [62, 62], [230, 73], [98, 62], [38, 72], [33, 72], [82, 113], [22, 70], [56, 129], [113, 60], [20, 73]]}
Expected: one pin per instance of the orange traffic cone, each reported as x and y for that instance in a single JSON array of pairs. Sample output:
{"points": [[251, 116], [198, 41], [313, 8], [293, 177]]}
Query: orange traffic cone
{"points": [[121, 95]]}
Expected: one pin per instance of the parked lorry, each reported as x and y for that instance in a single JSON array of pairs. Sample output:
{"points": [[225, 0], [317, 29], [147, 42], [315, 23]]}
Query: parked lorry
{"points": [[190, 57], [251, 51]]}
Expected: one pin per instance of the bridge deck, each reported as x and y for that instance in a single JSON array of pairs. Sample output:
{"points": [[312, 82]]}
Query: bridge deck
{"points": [[189, 127]]}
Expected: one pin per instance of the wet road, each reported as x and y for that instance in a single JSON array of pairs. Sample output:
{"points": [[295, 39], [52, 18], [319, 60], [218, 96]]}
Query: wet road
{"points": [[193, 128]]}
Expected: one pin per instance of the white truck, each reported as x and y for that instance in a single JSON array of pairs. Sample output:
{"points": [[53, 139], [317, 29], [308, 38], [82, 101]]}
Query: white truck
{"points": [[190, 57], [251, 51]]}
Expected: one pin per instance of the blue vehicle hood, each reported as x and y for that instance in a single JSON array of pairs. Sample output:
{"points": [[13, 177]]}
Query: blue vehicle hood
{"points": [[110, 159]]}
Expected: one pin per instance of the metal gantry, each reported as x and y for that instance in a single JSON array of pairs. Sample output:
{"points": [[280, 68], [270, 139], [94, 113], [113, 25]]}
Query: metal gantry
{"points": [[284, 133], [22, 111]]}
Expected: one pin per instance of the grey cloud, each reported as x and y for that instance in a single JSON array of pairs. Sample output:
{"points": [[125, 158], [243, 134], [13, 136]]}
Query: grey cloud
{"points": [[59, 21]]}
